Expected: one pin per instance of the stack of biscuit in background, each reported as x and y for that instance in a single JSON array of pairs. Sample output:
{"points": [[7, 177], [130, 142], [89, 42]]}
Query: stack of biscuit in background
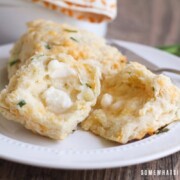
{"points": [[61, 76]]}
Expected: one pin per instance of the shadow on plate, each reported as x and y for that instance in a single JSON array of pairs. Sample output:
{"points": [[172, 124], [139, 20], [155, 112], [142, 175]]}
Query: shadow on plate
{"points": [[78, 140]]}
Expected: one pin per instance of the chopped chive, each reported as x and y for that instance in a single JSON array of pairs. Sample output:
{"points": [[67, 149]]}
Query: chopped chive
{"points": [[153, 88], [74, 39], [70, 30], [40, 55], [47, 46], [37, 56], [88, 85], [14, 62], [163, 130], [21, 103], [129, 73]]}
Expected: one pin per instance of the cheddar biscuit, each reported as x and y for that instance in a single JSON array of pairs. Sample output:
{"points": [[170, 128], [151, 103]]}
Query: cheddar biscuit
{"points": [[132, 104], [50, 95], [50, 38]]}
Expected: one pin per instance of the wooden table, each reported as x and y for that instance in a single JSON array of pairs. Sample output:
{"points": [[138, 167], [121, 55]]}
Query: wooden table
{"points": [[151, 22]]}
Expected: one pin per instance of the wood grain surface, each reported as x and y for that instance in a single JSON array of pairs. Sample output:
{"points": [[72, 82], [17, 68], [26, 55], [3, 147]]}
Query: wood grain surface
{"points": [[151, 22]]}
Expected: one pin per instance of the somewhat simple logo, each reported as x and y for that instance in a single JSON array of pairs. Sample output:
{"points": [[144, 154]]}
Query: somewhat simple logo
{"points": [[159, 172]]}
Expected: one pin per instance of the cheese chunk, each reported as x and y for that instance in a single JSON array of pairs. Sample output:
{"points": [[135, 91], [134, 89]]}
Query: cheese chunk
{"points": [[59, 69], [57, 100], [106, 100], [42, 95], [142, 103]]}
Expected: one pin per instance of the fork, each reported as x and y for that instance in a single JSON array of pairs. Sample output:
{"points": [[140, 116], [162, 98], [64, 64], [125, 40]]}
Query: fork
{"points": [[150, 66]]}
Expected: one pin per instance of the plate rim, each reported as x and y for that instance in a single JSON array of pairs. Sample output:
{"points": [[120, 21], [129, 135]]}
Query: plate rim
{"points": [[100, 165]]}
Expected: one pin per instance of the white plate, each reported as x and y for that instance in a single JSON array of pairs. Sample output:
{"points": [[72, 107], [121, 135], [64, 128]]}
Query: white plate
{"points": [[83, 150]]}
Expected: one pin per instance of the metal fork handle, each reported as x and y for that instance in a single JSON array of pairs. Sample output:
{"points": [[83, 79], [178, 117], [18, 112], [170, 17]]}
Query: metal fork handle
{"points": [[160, 70], [150, 67]]}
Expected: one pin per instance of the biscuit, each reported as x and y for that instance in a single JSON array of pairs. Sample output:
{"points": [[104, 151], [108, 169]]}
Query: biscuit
{"points": [[50, 95], [133, 104], [49, 38]]}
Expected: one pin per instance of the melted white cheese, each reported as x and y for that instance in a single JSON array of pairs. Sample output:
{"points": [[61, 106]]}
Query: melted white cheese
{"points": [[57, 100], [117, 105], [106, 100], [59, 69]]}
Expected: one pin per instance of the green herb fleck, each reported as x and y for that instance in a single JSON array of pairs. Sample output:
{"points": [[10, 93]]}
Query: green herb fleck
{"points": [[47, 46], [129, 73], [14, 62], [21, 103], [40, 55], [162, 130], [88, 85], [37, 56], [70, 30], [153, 88], [74, 39]]}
